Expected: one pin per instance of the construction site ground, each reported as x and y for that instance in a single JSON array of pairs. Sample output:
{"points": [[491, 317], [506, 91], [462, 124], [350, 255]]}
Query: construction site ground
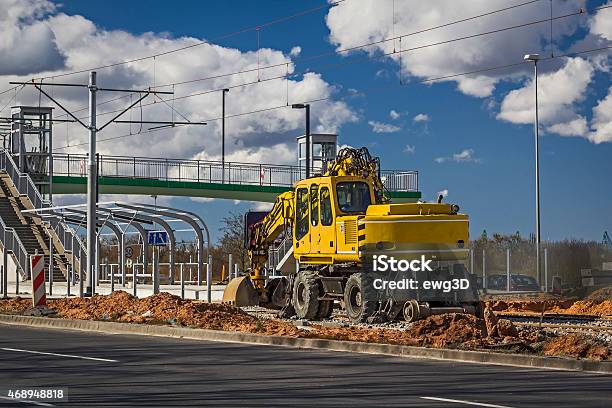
{"points": [[535, 326]]}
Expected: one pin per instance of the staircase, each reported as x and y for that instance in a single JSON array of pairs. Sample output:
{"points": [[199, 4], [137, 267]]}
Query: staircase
{"points": [[30, 233]]}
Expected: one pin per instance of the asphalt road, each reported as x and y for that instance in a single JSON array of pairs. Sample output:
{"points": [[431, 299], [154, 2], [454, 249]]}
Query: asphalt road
{"points": [[119, 370]]}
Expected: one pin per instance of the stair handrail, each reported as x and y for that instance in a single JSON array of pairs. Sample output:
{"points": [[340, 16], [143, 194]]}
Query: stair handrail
{"points": [[21, 180], [278, 252], [14, 245]]}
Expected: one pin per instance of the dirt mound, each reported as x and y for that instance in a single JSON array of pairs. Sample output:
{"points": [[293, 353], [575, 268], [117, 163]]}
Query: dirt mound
{"points": [[16, 304], [449, 329], [528, 305], [167, 308], [588, 307], [573, 345], [601, 295]]}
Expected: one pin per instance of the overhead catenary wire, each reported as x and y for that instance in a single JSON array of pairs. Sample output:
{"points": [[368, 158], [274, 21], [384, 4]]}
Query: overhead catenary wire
{"points": [[427, 80], [383, 55], [335, 52], [197, 44]]}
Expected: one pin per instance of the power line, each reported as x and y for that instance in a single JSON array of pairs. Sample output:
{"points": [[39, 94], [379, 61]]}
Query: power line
{"points": [[427, 80], [356, 47], [222, 37], [367, 58], [341, 51]]}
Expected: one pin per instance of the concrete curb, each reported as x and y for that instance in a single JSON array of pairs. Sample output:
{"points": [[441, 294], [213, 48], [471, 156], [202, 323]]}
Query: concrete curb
{"points": [[517, 360]]}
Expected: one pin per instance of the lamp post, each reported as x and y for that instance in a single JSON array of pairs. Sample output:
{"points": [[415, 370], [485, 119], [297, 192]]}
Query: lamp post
{"points": [[535, 58], [223, 92], [307, 107]]}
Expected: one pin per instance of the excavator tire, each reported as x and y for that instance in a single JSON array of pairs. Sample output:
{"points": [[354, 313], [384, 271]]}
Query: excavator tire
{"points": [[326, 307], [358, 295], [305, 295]]}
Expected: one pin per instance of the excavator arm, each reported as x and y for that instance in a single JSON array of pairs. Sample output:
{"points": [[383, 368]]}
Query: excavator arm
{"points": [[250, 290], [266, 231]]}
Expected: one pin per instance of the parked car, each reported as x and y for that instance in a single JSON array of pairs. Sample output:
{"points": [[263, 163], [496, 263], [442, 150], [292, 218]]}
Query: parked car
{"points": [[518, 283]]}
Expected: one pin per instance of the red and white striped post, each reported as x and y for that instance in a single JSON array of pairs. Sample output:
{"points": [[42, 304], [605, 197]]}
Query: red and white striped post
{"points": [[39, 294]]}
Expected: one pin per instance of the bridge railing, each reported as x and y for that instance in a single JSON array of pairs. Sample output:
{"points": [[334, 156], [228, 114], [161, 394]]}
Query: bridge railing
{"points": [[207, 171]]}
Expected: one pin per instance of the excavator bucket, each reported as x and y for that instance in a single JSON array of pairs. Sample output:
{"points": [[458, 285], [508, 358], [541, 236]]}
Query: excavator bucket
{"points": [[241, 292]]}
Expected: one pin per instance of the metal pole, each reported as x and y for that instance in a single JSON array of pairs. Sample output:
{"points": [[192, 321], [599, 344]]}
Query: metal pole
{"points": [[4, 270], [182, 282], [122, 259], [50, 263], [134, 280], [307, 141], [471, 261], [91, 187], [223, 92], [545, 269], [68, 280], [4, 282], [229, 265], [484, 270], [155, 271], [537, 171], [112, 279], [508, 270], [209, 279]]}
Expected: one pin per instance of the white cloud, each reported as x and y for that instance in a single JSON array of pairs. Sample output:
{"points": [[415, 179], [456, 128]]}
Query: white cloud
{"points": [[443, 193], [81, 44], [353, 23], [576, 127], [27, 44], [380, 127], [295, 51], [465, 156], [602, 120], [409, 149], [558, 92], [393, 114], [421, 117], [601, 24]]}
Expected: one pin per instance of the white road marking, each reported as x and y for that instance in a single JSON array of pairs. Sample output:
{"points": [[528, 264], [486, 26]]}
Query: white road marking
{"points": [[40, 404], [59, 355], [456, 401]]}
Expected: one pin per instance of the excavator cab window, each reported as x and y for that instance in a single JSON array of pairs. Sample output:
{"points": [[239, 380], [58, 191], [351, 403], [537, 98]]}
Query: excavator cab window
{"points": [[301, 216], [326, 209], [314, 205], [353, 196]]}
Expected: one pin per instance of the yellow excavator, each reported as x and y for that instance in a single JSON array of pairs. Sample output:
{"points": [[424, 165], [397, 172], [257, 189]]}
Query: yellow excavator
{"points": [[342, 224]]}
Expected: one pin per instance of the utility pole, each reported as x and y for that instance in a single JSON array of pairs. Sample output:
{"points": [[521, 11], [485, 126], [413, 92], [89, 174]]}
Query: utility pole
{"points": [[92, 181], [223, 92], [535, 58]]}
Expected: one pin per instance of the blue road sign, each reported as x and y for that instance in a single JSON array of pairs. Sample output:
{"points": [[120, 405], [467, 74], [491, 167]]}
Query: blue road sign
{"points": [[157, 238]]}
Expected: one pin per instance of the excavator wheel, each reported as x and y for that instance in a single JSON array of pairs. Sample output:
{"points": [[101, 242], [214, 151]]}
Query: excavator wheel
{"points": [[305, 295], [358, 298], [326, 307]]}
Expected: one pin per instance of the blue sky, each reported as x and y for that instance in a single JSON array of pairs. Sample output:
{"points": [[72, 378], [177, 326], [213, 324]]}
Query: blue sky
{"points": [[493, 181]]}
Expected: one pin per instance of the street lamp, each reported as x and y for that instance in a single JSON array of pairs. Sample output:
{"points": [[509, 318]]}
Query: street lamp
{"points": [[535, 58], [223, 92], [307, 107]]}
